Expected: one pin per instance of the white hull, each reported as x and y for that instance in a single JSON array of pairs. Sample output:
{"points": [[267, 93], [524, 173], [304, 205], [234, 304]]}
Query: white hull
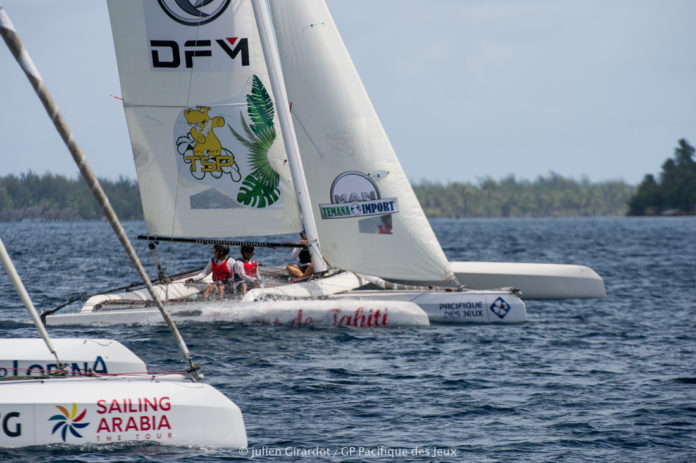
{"points": [[295, 313], [494, 306], [31, 357], [325, 302], [535, 281], [105, 410]]}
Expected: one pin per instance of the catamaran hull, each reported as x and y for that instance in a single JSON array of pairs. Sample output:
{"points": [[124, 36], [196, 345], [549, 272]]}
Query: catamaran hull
{"points": [[295, 313], [107, 410], [535, 281], [31, 357], [495, 306]]}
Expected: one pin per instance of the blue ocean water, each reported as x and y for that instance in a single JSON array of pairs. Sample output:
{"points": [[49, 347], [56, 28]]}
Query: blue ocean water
{"points": [[592, 380]]}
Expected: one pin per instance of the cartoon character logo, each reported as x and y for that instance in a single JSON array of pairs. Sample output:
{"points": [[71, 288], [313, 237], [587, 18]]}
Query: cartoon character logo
{"points": [[500, 307], [68, 421], [201, 148], [205, 135]]}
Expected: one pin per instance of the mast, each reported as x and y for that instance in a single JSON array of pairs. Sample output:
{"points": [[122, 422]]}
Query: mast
{"points": [[270, 51]]}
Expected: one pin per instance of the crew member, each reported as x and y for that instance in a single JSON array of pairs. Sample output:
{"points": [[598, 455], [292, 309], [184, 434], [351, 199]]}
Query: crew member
{"points": [[222, 268], [246, 271], [305, 267]]}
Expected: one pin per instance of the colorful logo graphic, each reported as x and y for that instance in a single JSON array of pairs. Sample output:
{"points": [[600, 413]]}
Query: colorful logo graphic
{"points": [[206, 155], [194, 13], [201, 148], [68, 421], [354, 194], [500, 307]]}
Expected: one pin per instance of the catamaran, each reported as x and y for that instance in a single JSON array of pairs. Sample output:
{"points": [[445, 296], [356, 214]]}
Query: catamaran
{"points": [[248, 118]]}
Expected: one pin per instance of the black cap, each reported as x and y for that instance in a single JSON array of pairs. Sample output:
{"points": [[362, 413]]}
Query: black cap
{"points": [[223, 248]]}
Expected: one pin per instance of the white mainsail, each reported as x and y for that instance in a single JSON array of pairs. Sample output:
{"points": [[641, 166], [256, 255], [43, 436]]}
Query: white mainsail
{"points": [[368, 217], [202, 122]]}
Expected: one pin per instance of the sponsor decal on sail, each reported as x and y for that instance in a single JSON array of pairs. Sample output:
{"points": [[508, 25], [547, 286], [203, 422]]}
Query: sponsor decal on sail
{"points": [[354, 194], [218, 42], [193, 13], [215, 145]]}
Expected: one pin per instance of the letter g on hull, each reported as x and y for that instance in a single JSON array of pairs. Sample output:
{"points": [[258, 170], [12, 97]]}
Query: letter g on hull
{"points": [[194, 12]]}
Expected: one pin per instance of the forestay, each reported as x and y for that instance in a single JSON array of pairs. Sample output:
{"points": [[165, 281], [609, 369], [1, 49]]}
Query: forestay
{"points": [[209, 160], [368, 217]]}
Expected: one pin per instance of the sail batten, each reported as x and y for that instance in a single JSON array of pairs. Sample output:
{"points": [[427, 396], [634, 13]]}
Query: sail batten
{"points": [[368, 217]]}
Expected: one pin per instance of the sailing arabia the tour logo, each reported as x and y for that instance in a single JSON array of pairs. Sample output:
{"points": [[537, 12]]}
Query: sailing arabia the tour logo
{"points": [[68, 421], [354, 194], [194, 13]]}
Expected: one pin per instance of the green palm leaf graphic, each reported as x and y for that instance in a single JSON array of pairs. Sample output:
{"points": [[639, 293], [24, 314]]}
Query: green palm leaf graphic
{"points": [[260, 187], [255, 194], [259, 106]]}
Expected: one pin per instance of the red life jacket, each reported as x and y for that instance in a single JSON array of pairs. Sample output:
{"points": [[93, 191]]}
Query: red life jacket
{"points": [[220, 271], [251, 268]]}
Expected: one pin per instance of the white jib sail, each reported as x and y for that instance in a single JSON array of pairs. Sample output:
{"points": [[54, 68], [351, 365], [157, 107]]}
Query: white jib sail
{"points": [[368, 217], [208, 154]]}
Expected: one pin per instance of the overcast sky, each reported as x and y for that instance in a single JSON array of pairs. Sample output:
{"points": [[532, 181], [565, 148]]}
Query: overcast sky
{"points": [[466, 89]]}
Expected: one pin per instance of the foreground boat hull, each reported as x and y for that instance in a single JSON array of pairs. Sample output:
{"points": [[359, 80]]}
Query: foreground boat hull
{"points": [[80, 356], [106, 410]]}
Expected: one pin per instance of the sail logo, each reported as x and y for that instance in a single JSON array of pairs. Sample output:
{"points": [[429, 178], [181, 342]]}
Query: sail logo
{"points": [[500, 307], [68, 422], [201, 148], [216, 146], [168, 54], [194, 13], [354, 194]]}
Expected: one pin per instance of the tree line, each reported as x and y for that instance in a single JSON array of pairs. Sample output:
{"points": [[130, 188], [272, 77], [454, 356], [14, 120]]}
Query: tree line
{"points": [[55, 197], [674, 191], [547, 196]]}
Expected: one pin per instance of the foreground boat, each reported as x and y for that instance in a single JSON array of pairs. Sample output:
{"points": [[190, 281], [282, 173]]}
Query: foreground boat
{"points": [[106, 396], [96, 391]]}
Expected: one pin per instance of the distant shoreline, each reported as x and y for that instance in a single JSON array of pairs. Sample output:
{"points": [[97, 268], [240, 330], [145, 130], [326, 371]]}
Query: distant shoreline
{"points": [[57, 198]]}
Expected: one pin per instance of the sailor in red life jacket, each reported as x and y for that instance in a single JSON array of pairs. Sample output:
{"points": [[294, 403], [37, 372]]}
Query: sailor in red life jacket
{"points": [[222, 268], [246, 271]]}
